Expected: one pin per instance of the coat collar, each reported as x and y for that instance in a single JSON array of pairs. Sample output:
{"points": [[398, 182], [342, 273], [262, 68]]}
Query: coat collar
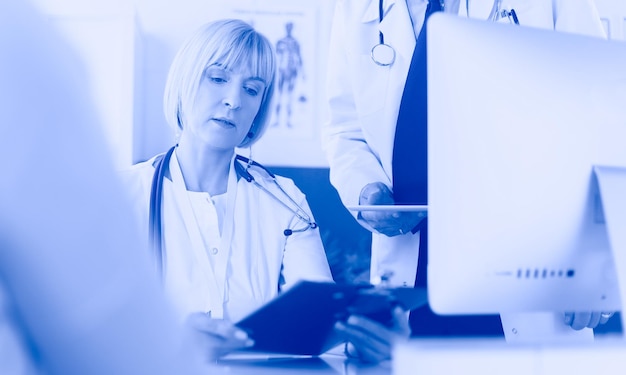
{"points": [[396, 26], [372, 13]]}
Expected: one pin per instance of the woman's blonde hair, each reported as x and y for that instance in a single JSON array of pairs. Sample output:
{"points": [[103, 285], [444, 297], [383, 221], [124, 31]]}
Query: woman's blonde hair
{"points": [[231, 44]]}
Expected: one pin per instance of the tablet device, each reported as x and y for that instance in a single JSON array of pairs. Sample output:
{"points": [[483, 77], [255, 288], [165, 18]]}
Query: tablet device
{"points": [[301, 320], [390, 207]]}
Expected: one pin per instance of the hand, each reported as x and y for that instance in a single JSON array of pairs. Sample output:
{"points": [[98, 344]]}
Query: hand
{"points": [[389, 223], [216, 337], [371, 341], [586, 319]]}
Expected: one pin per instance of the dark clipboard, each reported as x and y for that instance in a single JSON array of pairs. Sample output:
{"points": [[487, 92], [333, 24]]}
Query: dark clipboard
{"points": [[300, 321]]}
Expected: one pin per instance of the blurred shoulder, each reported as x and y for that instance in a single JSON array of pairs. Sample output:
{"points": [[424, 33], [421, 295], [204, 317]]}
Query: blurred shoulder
{"points": [[138, 176]]}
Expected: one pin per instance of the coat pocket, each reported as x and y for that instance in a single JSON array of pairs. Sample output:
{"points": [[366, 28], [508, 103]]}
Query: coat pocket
{"points": [[371, 82]]}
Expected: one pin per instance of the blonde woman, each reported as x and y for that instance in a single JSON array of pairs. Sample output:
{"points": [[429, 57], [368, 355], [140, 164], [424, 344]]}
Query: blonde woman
{"points": [[227, 235]]}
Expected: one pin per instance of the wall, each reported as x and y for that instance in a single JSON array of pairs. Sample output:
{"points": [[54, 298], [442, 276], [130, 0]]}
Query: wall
{"points": [[161, 27], [129, 65], [107, 38]]}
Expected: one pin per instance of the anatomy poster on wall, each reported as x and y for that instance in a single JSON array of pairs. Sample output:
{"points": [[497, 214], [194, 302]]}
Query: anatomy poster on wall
{"points": [[292, 32]]}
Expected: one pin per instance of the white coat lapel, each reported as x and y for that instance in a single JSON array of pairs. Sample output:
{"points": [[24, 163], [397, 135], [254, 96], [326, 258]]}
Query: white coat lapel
{"points": [[380, 96], [397, 28], [371, 12]]}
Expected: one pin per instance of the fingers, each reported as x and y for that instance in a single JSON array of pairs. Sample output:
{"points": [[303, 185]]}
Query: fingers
{"points": [[594, 320], [389, 223], [401, 322], [372, 341], [386, 223], [369, 345], [374, 330], [392, 223], [579, 320], [217, 327], [216, 337], [605, 316], [376, 193], [569, 318], [585, 319]]}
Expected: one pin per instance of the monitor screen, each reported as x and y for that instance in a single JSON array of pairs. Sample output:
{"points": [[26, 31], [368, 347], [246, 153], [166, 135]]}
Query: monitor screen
{"points": [[518, 118]]}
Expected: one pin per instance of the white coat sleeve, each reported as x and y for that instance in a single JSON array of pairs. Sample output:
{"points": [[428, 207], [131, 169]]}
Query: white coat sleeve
{"points": [[353, 164], [577, 16]]}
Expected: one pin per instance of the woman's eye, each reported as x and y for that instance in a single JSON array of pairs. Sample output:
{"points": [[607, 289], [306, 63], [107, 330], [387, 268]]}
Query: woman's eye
{"points": [[218, 79], [252, 91]]}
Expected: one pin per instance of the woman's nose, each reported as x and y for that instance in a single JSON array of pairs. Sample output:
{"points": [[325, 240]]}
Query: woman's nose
{"points": [[232, 100]]}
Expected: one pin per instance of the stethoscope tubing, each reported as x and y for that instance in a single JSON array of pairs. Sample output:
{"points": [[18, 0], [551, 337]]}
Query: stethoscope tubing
{"points": [[155, 214], [243, 172], [383, 54], [156, 201]]}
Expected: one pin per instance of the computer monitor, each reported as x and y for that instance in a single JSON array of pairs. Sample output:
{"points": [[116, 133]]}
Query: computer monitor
{"points": [[518, 117]]}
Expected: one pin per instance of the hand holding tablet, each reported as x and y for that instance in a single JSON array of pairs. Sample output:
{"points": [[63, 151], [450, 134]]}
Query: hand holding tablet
{"points": [[421, 208], [391, 220]]}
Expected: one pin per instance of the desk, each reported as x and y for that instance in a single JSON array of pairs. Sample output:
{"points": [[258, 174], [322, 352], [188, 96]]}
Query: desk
{"points": [[486, 357], [326, 364]]}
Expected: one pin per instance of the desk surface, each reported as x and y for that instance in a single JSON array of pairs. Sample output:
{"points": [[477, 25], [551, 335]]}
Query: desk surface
{"points": [[487, 357], [326, 364]]}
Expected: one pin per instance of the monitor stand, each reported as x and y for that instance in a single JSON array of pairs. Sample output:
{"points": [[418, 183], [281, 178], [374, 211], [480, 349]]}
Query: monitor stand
{"points": [[612, 184], [549, 327]]}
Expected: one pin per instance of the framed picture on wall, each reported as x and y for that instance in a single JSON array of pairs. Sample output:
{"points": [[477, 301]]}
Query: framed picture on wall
{"points": [[293, 30]]}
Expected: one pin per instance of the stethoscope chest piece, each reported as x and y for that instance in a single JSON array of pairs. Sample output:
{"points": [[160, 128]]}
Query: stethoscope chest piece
{"points": [[383, 54]]}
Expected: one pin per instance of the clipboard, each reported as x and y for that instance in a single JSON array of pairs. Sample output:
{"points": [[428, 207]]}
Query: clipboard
{"points": [[301, 320]]}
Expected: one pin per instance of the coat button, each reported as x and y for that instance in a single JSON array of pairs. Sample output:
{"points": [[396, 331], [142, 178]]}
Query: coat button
{"points": [[214, 251]]}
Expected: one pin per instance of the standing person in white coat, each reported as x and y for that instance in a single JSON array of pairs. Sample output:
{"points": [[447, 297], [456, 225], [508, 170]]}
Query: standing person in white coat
{"points": [[364, 99], [228, 237]]}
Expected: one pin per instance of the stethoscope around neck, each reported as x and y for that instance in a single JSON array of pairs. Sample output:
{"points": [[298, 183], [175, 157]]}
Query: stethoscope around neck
{"points": [[384, 54], [243, 166]]}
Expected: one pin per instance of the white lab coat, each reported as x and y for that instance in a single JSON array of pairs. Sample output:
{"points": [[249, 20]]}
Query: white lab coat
{"points": [[364, 98], [574, 16], [251, 262]]}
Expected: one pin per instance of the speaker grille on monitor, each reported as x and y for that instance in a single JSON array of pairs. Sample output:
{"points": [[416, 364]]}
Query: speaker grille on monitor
{"points": [[544, 273]]}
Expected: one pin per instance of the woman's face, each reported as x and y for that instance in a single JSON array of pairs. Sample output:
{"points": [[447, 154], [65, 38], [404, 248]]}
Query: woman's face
{"points": [[227, 102]]}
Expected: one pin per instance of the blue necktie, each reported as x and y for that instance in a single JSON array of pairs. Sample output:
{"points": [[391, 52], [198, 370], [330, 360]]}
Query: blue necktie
{"points": [[410, 144], [410, 183]]}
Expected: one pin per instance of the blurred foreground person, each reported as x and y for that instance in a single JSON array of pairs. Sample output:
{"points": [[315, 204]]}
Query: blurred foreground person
{"points": [[77, 294]]}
